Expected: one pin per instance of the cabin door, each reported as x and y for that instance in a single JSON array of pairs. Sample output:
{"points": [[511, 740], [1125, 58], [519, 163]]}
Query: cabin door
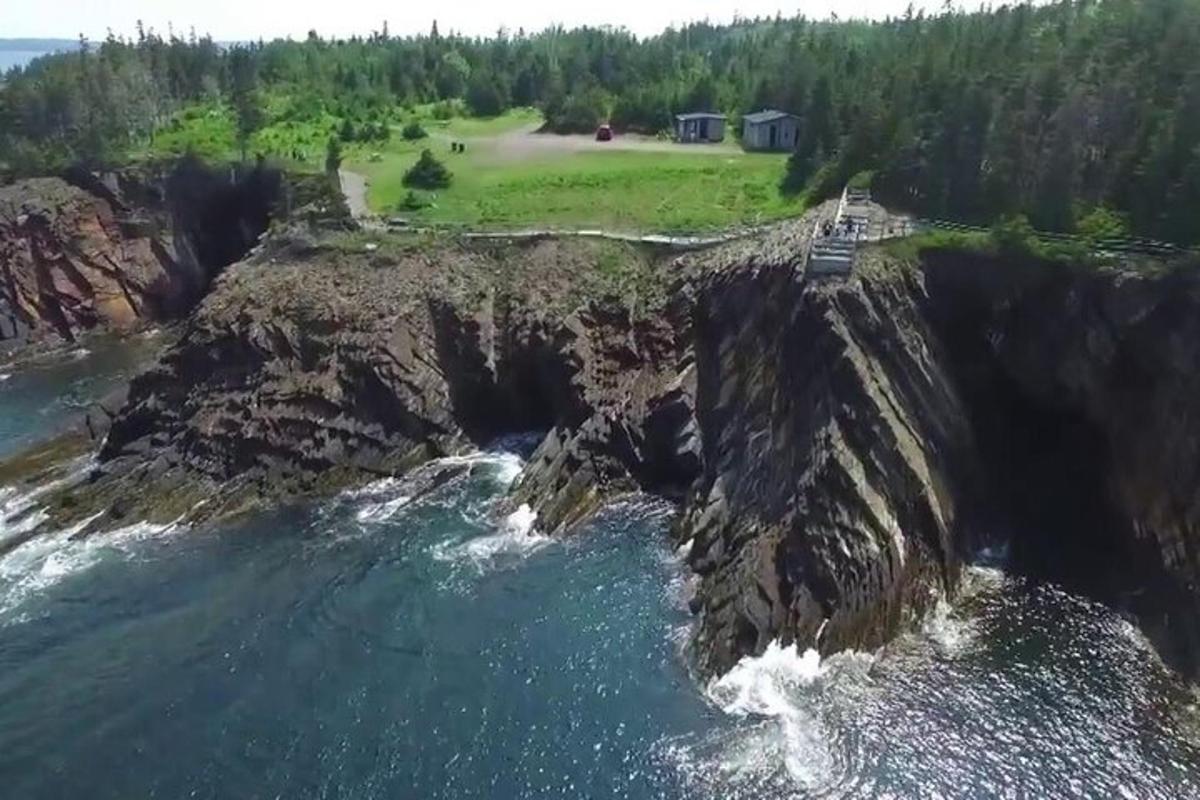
{"points": [[704, 130], [774, 136]]}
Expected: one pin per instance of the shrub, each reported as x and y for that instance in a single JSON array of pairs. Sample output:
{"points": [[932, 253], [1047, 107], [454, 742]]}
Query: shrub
{"points": [[444, 110], [576, 113], [427, 173], [413, 131], [1014, 235], [1101, 223], [862, 180], [413, 201], [333, 155]]}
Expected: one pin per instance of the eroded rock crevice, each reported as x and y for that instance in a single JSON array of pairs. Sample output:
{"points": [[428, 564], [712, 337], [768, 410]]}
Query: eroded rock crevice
{"points": [[1082, 392], [117, 251]]}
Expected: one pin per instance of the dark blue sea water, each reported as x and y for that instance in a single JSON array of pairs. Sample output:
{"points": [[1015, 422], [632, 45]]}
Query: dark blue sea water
{"points": [[373, 646]]}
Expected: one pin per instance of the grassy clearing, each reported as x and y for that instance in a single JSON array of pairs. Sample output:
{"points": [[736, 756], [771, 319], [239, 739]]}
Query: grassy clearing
{"points": [[474, 127], [537, 183], [629, 190]]}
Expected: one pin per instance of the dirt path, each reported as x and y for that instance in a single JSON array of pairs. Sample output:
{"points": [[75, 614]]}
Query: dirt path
{"points": [[354, 189], [526, 143]]}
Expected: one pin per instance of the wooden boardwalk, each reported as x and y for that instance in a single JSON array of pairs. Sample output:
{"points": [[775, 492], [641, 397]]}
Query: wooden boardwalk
{"points": [[857, 221]]}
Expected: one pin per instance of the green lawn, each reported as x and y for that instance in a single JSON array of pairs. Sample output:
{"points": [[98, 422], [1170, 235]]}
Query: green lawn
{"points": [[636, 191], [502, 182], [546, 185]]}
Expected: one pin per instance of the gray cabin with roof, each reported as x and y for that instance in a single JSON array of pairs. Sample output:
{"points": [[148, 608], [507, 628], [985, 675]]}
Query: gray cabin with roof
{"points": [[770, 130], [700, 127]]}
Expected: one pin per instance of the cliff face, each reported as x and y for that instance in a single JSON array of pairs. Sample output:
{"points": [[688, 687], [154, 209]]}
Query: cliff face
{"points": [[313, 367], [838, 448], [1085, 390], [827, 510], [119, 251]]}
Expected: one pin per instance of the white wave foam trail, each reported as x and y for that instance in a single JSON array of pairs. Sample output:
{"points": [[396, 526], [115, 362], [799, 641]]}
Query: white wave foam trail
{"points": [[46, 560], [771, 687], [384, 498], [950, 632], [5, 376], [516, 537]]}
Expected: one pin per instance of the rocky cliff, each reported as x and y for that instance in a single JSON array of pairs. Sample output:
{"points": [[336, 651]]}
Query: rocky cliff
{"points": [[313, 366], [838, 448], [117, 251]]}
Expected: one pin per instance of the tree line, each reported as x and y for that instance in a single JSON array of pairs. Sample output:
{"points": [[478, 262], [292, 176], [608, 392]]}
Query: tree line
{"points": [[1059, 111]]}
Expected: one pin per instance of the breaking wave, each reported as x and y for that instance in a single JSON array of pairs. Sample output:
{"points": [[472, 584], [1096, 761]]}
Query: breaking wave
{"points": [[48, 559], [515, 538]]}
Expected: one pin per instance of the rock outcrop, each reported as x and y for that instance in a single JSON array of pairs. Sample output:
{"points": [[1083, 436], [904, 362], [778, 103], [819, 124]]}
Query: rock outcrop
{"points": [[1084, 388], [313, 367], [119, 251], [836, 451], [838, 447]]}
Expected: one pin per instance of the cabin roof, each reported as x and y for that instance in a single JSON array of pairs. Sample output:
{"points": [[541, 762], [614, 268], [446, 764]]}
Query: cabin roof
{"points": [[699, 115], [767, 115]]}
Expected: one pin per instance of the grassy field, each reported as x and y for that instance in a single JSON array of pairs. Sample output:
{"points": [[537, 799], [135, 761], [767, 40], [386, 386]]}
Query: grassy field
{"points": [[622, 189], [510, 177]]}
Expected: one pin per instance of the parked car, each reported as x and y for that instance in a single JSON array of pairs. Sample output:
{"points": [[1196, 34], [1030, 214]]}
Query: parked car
{"points": [[604, 133]]}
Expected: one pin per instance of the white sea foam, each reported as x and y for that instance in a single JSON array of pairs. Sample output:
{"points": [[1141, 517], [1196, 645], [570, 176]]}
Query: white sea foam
{"points": [[80, 353], [771, 688], [785, 739], [5, 376], [515, 537], [46, 560], [505, 466], [952, 633], [383, 510]]}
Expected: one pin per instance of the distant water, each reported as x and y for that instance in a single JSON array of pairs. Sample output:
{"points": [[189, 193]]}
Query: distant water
{"points": [[18, 58], [376, 645]]}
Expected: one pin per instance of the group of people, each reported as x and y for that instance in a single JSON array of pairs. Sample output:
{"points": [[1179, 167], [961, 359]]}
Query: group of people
{"points": [[845, 228]]}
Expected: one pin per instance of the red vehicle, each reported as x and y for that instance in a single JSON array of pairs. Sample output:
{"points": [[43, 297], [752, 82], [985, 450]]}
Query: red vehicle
{"points": [[604, 133]]}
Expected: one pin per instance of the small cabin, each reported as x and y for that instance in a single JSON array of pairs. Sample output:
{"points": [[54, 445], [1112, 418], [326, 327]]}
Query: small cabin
{"points": [[770, 130], [700, 127]]}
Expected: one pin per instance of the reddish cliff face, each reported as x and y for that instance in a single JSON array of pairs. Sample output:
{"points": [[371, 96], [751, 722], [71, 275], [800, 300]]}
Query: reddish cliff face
{"points": [[71, 261], [119, 251]]}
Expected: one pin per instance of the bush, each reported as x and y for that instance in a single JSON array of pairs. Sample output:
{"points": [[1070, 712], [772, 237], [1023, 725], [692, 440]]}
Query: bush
{"points": [[413, 131], [427, 173], [1101, 223], [576, 113], [413, 201], [333, 155], [444, 110], [1014, 235], [862, 180]]}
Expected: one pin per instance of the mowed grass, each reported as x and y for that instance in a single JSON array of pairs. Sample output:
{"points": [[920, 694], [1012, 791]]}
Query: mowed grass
{"points": [[630, 190]]}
